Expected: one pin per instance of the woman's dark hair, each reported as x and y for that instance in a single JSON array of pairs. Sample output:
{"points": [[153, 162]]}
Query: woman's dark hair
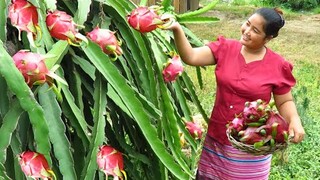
{"points": [[274, 20]]}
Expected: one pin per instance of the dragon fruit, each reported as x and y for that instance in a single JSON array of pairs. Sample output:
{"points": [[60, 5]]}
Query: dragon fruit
{"points": [[172, 69], [32, 67], [24, 17], [259, 125], [144, 19], [236, 125], [110, 161], [34, 70], [62, 26], [107, 41], [256, 112], [35, 165], [254, 136], [278, 128], [194, 128]]}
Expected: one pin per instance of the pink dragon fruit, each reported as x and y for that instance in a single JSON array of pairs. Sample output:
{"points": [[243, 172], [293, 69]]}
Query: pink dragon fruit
{"points": [[62, 26], [236, 125], [32, 67], [172, 69], [278, 127], [144, 19], [253, 136], [256, 112], [110, 161], [35, 165], [107, 40], [24, 17], [195, 129]]}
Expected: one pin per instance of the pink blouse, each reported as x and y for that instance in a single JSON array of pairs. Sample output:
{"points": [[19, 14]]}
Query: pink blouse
{"points": [[238, 82]]}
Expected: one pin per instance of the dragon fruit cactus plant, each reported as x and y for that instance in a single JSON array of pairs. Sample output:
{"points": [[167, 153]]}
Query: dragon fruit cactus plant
{"points": [[107, 41], [172, 69], [110, 161], [62, 27], [35, 165], [24, 16]]}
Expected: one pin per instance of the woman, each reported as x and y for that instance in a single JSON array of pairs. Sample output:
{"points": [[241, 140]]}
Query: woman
{"points": [[246, 70]]}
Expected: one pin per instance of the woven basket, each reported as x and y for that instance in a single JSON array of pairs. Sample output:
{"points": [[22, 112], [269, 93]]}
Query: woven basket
{"points": [[264, 150]]}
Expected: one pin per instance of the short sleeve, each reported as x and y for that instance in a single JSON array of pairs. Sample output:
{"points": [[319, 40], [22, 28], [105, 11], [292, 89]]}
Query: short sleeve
{"points": [[286, 80], [217, 47]]}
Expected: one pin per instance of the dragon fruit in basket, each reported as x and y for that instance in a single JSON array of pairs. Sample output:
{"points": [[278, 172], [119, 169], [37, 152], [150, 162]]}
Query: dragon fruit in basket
{"points": [[259, 125]]}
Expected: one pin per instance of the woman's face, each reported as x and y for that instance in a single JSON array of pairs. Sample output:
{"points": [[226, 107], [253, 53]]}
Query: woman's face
{"points": [[252, 32]]}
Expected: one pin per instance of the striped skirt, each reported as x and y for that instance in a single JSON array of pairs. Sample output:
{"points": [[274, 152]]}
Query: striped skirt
{"points": [[223, 162]]}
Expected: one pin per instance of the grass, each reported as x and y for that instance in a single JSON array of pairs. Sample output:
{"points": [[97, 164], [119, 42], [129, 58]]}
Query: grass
{"points": [[298, 42]]}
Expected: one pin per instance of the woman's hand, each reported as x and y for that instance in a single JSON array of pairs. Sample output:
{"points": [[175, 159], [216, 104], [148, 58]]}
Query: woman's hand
{"points": [[169, 22], [288, 110], [296, 131]]}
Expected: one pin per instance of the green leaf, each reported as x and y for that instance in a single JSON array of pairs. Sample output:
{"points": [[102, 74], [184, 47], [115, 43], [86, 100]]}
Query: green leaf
{"points": [[82, 12], [198, 19], [100, 101], [112, 75], [17, 85], [193, 95], [57, 132], [45, 35], [50, 4], [15, 146], [9, 124], [3, 174], [3, 20], [200, 11], [169, 120], [199, 77], [4, 105], [74, 114], [143, 3], [56, 54], [135, 42]]}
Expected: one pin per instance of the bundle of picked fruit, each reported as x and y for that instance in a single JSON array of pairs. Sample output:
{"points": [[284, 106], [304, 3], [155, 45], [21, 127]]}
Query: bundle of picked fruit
{"points": [[258, 129]]}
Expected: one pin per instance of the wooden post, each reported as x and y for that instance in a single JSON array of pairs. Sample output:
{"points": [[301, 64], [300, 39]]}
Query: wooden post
{"points": [[151, 2], [180, 6], [193, 5]]}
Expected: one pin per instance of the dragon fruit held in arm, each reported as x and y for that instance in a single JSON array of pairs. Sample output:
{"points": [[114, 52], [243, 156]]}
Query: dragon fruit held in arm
{"points": [[110, 161], [259, 125], [172, 69], [107, 41], [35, 165], [146, 19], [24, 17]]}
